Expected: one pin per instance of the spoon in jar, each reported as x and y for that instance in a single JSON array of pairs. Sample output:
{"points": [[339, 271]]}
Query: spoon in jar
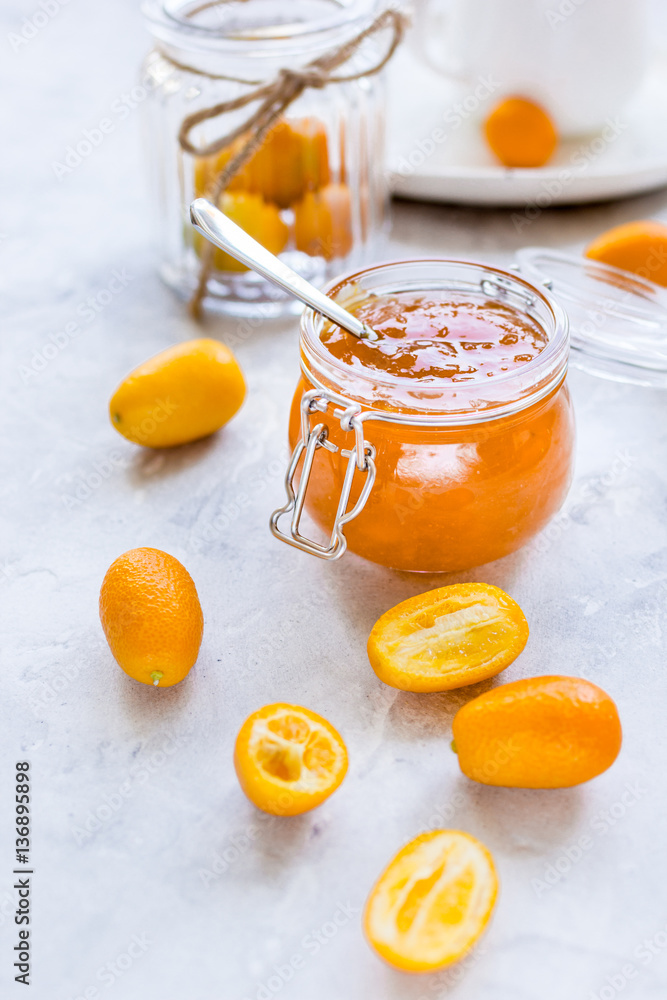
{"points": [[224, 233]]}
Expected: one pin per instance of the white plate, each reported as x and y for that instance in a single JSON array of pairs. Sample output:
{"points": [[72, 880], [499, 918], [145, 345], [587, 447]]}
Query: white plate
{"points": [[437, 155]]}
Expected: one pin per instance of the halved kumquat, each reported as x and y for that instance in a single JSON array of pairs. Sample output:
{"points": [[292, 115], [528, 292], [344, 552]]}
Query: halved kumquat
{"points": [[541, 732], [447, 638], [288, 759], [432, 902]]}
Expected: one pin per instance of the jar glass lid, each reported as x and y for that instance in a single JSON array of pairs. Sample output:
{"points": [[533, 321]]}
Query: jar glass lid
{"points": [[618, 321]]}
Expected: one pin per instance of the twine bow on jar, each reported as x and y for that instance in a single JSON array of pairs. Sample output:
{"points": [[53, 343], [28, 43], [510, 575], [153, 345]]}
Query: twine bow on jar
{"points": [[275, 98]]}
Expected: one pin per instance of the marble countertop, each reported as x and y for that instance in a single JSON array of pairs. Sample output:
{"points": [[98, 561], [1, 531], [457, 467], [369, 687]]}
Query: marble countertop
{"points": [[155, 879]]}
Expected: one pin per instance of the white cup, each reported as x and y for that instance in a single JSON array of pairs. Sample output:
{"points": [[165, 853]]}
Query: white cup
{"points": [[581, 59]]}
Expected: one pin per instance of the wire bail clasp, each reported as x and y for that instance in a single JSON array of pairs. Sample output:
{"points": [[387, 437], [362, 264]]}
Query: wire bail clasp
{"points": [[359, 458]]}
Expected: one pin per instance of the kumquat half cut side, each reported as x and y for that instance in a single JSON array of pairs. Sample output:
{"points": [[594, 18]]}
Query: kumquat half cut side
{"points": [[288, 759], [432, 902], [447, 638]]}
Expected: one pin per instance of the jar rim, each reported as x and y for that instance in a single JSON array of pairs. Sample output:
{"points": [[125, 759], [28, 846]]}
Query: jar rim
{"points": [[533, 380], [176, 19]]}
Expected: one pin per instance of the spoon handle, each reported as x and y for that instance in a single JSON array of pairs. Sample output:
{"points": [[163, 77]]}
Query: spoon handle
{"points": [[220, 229]]}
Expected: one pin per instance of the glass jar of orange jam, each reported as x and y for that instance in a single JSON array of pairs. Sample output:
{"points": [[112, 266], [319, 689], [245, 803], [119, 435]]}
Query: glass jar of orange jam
{"points": [[448, 442]]}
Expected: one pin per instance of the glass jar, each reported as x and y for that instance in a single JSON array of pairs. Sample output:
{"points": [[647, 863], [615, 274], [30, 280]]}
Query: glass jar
{"points": [[313, 189], [437, 477]]}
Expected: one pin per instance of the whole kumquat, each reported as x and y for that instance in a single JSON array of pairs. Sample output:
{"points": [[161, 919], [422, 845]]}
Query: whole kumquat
{"points": [[288, 759], [542, 732], [447, 638], [182, 394], [432, 902], [151, 616], [521, 133]]}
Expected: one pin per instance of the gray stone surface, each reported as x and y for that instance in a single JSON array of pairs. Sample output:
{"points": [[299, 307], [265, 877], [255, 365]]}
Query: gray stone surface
{"points": [[280, 625]]}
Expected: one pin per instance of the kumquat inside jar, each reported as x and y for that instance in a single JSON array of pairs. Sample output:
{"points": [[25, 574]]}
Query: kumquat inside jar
{"points": [[446, 443]]}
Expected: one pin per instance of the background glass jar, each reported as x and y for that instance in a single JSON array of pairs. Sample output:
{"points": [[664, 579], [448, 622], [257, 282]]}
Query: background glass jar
{"points": [[437, 477], [314, 189]]}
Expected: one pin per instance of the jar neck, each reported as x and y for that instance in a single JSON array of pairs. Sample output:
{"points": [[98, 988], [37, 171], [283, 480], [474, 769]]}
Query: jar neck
{"points": [[267, 34], [442, 403]]}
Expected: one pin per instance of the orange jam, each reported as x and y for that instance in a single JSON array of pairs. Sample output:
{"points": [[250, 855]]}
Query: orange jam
{"points": [[425, 337], [470, 420]]}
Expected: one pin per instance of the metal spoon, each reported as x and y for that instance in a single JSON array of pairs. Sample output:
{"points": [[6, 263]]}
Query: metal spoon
{"points": [[219, 229]]}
